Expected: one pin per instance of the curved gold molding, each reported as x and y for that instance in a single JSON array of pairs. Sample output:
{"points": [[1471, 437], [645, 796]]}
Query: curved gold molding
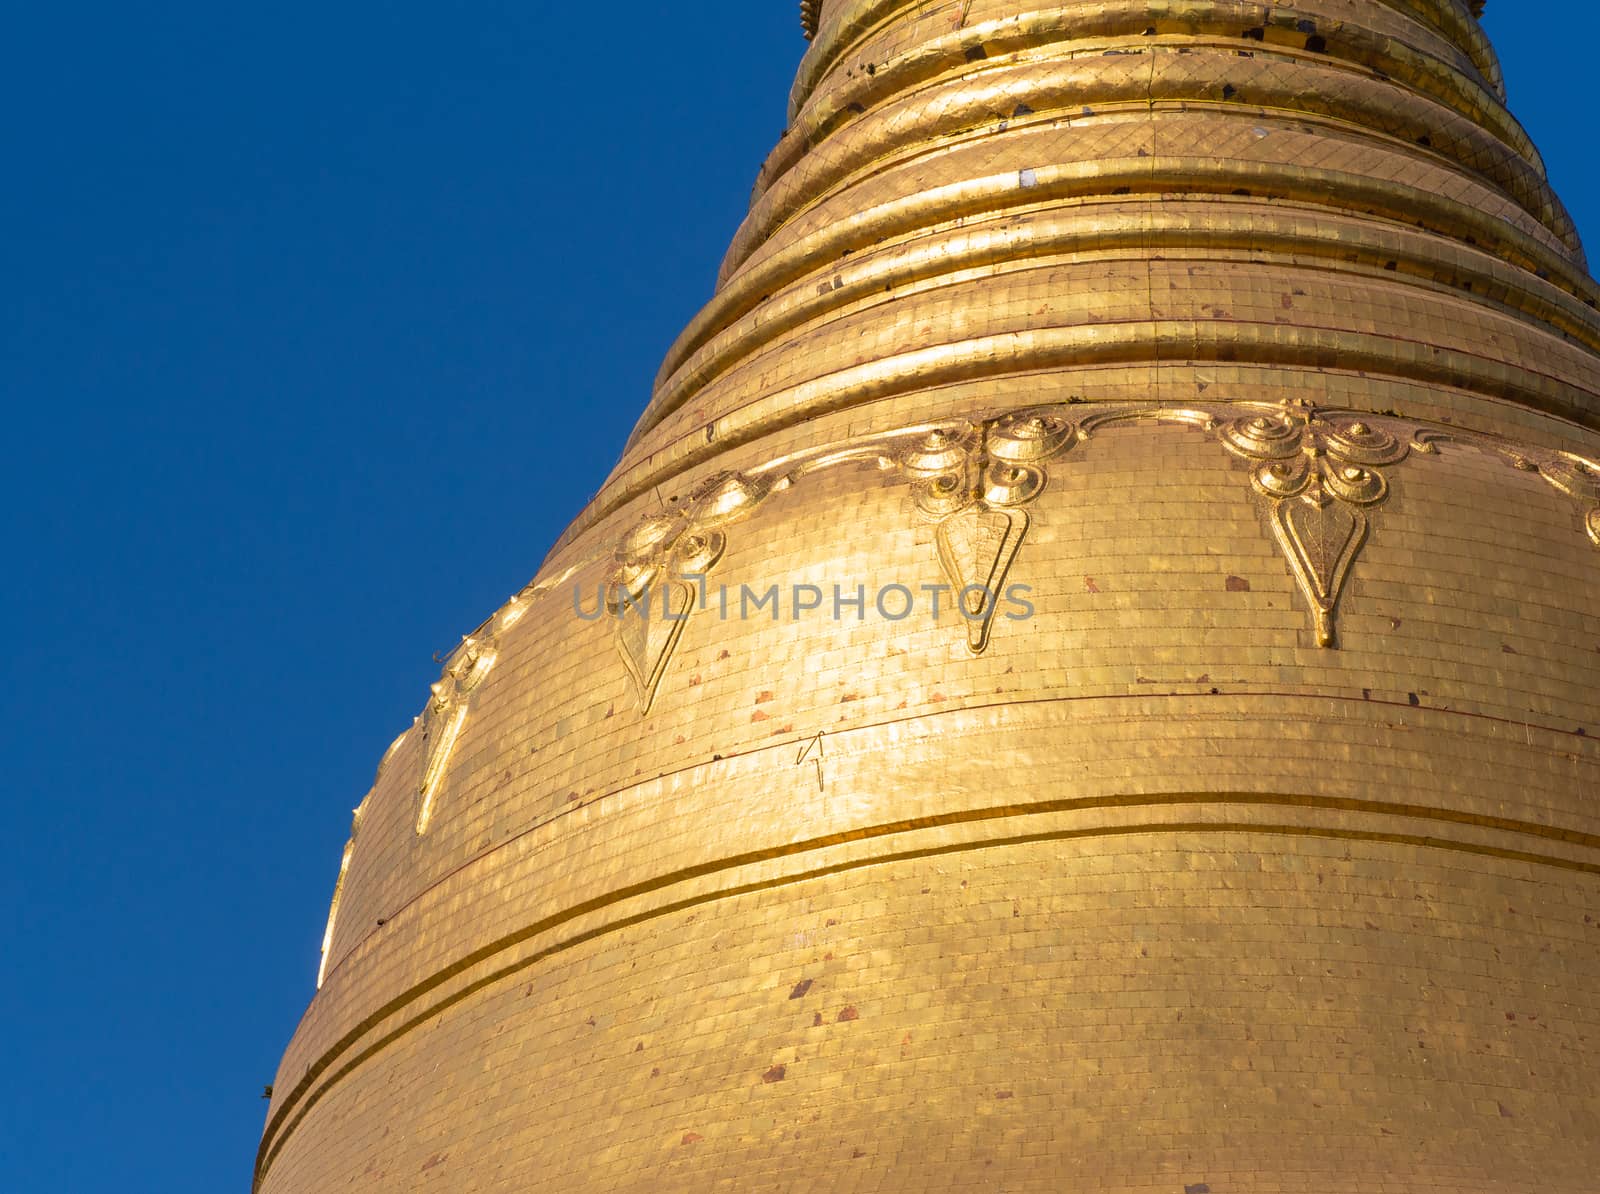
{"points": [[1344, 245], [848, 23], [328, 1070], [1059, 93], [818, 110], [1079, 347], [994, 195]]}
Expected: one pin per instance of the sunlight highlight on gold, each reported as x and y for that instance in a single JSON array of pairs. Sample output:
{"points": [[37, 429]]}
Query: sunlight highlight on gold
{"points": [[1084, 676]]}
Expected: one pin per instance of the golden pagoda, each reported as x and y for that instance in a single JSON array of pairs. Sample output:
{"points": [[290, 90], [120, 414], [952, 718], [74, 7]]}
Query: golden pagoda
{"points": [[1085, 677]]}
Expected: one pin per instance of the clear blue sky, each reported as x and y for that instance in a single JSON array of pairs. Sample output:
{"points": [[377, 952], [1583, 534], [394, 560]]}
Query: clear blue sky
{"points": [[319, 324]]}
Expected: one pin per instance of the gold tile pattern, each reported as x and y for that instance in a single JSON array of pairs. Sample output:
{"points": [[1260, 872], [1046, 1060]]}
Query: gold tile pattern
{"points": [[1231, 374]]}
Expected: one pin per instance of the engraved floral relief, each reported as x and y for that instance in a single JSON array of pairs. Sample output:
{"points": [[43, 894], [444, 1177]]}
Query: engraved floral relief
{"points": [[1319, 479], [1319, 475], [976, 482], [652, 572], [446, 716], [972, 479], [659, 571]]}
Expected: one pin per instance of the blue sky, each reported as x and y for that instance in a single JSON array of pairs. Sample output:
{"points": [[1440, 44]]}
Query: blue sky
{"points": [[319, 324]]}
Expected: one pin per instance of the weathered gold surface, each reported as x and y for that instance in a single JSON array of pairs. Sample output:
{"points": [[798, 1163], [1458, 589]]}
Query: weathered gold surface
{"points": [[1265, 856]]}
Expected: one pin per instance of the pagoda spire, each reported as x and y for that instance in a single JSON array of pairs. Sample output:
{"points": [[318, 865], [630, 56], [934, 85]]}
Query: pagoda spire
{"points": [[1053, 148]]}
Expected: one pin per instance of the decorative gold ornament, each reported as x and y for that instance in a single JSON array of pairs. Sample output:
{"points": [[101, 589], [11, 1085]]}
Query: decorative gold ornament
{"points": [[1319, 479], [446, 716], [1578, 477], [660, 571], [1318, 473], [975, 483]]}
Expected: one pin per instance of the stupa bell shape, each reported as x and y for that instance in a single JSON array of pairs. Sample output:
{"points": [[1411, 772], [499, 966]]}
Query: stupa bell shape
{"points": [[1085, 677]]}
